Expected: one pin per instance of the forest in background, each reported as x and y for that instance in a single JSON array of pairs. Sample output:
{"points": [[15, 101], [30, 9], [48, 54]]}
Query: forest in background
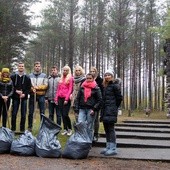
{"points": [[124, 35]]}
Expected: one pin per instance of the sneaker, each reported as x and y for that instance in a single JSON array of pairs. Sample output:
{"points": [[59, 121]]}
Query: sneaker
{"points": [[64, 132], [69, 133]]}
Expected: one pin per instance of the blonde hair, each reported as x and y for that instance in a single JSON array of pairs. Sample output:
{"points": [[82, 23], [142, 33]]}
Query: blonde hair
{"points": [[80, 68], [95, 69], [68, 76]]}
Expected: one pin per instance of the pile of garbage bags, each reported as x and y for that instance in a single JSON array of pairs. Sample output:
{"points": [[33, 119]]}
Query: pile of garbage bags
{"points": [[46, 144]]}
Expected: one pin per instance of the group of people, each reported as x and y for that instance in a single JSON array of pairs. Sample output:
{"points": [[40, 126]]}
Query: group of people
{"points": [[88, 96]]}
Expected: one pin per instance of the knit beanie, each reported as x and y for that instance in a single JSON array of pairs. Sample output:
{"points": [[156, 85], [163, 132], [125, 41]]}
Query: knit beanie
{"points": [[109, 72], [5, 70]]}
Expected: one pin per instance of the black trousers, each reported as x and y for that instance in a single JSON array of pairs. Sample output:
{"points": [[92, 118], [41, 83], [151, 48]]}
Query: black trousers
{"points": [[63, 110], [3, 110], [110, 132]]}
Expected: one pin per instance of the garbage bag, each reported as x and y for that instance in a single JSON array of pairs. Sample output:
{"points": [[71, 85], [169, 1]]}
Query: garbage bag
{"points": [[79, 144], [24, 145], [47, 144], [6, 138]]}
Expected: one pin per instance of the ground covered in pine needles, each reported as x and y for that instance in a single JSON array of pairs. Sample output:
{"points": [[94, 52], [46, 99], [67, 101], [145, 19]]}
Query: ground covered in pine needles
{"points": [[10, 162]]}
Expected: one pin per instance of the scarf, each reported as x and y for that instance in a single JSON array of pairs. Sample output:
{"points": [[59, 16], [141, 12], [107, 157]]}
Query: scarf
{"points": [[88, 86], [5, 79], [78, 79]]}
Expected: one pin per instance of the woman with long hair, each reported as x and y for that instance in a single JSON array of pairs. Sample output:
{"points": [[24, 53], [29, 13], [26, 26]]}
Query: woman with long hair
{"points": [[89, 99], [6, 91], [62, 98], [111, 101], [79, 78], [99, 81]]}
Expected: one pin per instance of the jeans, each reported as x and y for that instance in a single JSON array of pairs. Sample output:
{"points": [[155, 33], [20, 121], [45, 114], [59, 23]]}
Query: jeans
{"points": [[52, 107], [110, 132], [85, 116], [32, 102], [15, 107], [63, 110], [3, 111]]}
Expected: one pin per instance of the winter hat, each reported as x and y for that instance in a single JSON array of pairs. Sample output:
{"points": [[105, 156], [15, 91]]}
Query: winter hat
{"points": [[5, 70], [111, 72]]}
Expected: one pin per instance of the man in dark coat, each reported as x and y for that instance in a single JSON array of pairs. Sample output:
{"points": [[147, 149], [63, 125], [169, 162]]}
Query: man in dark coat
{"points": [[22, 87]]}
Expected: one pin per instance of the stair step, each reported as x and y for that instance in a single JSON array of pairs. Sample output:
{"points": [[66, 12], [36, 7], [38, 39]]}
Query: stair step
{"points": [[142, 129], [147, 154], [144, 125], [148, 121], [136, 143], [141, 135]]}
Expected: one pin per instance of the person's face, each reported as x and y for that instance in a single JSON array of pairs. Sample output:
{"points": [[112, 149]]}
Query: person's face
{"points": [[37, 68], [89, 78], [92, 71], [77, 72], [21, 67], [5, 74], [65, 71], [108, 77], [54, 71]]}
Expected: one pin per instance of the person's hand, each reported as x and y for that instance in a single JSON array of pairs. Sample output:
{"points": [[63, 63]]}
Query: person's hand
{"points": [[34, 90], [71, 97], [22, 95], [56, 102], [91, 112], [19, 92], [35, 87], [5, 98], [65, 102]]}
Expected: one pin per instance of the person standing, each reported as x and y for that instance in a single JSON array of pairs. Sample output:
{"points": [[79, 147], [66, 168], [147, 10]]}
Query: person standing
{"points": [[6, 91], [99, 81], [22, 86], [39, 85], [53, 80], [62, 98], [88, 101], [111, 101], [79, 78]]}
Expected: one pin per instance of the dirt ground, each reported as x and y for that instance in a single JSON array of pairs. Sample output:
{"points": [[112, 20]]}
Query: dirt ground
{"points": [[10, 162]]}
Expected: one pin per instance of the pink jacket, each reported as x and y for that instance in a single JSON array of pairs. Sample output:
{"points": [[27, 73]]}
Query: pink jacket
{"points": [[64, 90]]}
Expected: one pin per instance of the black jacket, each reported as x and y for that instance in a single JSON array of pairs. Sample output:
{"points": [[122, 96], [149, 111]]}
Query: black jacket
{"points": [[21, 83], [111, 101], [94, 102], [6, 89]]}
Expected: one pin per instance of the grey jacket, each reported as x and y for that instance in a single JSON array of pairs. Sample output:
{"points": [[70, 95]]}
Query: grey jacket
{"points": [[52, 87], [39, 80]]}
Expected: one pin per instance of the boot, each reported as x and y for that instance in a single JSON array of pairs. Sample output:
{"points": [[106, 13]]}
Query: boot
{"points": [[112, 150], [106, 149]]}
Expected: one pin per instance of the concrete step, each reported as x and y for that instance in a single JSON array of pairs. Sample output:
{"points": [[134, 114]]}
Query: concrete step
{"points": [[135, 143], [144, 125], [148, 121], [148, 154], [139, 140], [142, 129], [141, 135]]}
